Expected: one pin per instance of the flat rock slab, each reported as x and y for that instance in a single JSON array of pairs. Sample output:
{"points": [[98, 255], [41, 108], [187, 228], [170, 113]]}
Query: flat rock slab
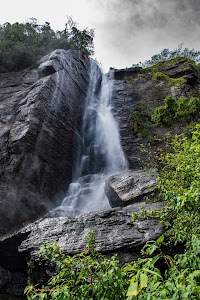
{"points": [[114, 231], [126, 188]]}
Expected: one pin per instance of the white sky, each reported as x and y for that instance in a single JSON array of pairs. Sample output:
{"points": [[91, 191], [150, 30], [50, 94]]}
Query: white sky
{"points": [[126, 31]]}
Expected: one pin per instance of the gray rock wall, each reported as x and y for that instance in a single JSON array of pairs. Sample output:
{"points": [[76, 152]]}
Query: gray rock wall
{"points": [[39, 121], [134, 85]]}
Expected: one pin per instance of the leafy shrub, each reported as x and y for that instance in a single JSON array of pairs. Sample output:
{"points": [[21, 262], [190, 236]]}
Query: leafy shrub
{"points": [[177, 82], [179, 186], [183, 109], [181, 279], [141, 121], [88, 275]]}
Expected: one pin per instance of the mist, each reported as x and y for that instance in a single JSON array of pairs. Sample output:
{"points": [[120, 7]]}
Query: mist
{"points": [[133, 30]]}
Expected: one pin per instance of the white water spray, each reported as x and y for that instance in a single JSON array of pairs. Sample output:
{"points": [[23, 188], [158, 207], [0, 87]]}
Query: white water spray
{"points": [[99, 153]]}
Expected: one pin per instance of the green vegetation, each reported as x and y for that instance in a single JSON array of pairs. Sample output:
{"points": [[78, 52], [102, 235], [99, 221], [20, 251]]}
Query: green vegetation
{"points": [[181, 110], [179, 185], [179, 188], [179, 280], [177, 82], [88, 275], [22, 44], [141, 121]]}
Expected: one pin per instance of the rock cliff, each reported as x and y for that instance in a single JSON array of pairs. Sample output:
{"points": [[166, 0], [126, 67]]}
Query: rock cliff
{"points": [[135, 85], [40, 116]]}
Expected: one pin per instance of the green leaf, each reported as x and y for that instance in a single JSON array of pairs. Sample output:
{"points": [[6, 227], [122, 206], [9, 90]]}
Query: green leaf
{"points": [[160, 240], [155, 259], [150, 250], [152, 272], [133, 290], [143, 280], [133, 280]]}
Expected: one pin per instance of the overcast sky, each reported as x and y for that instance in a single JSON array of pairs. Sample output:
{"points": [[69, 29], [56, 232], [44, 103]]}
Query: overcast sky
{"points": [[126, 31]]}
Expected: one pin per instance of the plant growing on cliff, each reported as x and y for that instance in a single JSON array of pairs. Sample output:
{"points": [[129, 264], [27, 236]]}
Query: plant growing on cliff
{"points": [[21, 44], [141, 121], [177, 82], [182, 109]]}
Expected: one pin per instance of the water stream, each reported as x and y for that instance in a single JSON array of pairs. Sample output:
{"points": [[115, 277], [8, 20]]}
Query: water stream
{"points": [[99, 151]]}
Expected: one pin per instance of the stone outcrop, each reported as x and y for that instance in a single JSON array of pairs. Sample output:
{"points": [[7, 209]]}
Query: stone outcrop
{"points": [[40, 118], [127, 188], [114, 233], [135, 84]]}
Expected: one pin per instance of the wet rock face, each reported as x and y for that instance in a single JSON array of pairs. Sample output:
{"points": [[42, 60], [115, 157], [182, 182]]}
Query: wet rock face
{"points": [[130, 187], [133, 85], [39, 121]]}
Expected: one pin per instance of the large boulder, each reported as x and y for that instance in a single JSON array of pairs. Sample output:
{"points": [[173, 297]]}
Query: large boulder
{"points": [[114, 233], [126, 188], [40, 119]]}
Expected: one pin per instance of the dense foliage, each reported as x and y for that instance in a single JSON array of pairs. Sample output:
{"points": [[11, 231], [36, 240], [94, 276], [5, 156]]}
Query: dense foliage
{"points": [[177, 82], [88, 275], [21, 44], [179, 188], [183, 109]]}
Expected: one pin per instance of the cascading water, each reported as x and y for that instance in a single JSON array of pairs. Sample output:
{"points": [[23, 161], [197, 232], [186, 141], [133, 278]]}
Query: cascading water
{"points": [[99, 150]]}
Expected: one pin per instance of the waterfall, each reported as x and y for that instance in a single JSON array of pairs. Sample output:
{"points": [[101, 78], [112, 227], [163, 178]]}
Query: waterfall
{"points": [[99, 150]]}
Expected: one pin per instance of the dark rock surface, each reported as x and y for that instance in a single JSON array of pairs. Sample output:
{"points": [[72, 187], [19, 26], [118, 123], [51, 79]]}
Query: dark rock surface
{"points": [[12, 283], [114, 233], [39, 120], [127, 188], [135, 84]]}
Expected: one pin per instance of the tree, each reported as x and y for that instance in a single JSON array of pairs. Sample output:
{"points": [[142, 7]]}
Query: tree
{"points": [[21, 44]]}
